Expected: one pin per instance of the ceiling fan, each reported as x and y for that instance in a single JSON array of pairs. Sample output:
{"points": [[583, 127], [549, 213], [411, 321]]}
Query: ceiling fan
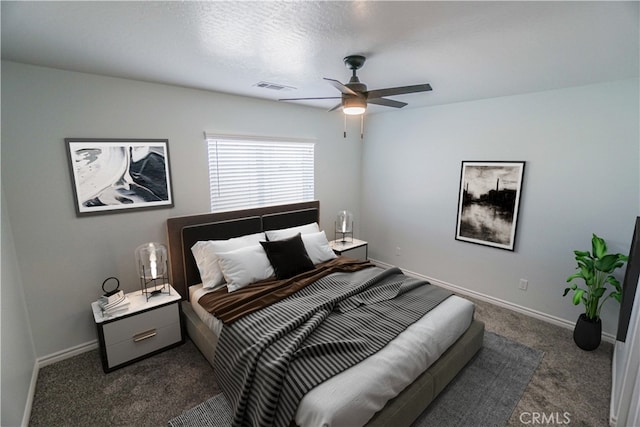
{"points": [[355, 95]]}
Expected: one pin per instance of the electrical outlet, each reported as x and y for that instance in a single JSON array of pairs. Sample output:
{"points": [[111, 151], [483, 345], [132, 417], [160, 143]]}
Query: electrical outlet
{"points": [[523, 284], [398, 251]]}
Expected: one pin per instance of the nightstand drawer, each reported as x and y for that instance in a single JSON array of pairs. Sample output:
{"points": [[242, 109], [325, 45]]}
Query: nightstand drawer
{"points": [[125, 329], [143, 343]]}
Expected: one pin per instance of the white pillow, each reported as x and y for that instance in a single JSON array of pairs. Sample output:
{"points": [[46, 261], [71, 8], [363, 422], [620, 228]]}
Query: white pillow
{"points": [[204, 253], [290, 232], [317, 247], [244, 266]]}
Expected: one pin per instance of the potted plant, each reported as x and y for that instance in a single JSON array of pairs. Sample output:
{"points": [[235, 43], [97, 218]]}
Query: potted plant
{"points": [[596, 269]]}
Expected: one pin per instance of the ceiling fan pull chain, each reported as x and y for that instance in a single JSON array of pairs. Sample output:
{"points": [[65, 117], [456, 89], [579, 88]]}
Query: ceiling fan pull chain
{"points": [[345, 125], [362, 126]]}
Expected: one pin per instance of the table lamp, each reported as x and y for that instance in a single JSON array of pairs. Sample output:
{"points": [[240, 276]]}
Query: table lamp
{"points": [[344, 225], [151, 259]]}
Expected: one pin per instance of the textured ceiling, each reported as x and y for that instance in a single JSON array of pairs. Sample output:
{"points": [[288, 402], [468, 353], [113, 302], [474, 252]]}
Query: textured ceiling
{"points": [[465, 50]]}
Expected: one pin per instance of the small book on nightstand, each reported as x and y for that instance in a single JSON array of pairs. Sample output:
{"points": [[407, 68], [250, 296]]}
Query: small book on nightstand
{"points": [[113, 304]]}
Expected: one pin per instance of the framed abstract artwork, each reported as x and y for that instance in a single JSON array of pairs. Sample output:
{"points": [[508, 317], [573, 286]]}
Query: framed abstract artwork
{"points": [[488, 203], [116, 175]]}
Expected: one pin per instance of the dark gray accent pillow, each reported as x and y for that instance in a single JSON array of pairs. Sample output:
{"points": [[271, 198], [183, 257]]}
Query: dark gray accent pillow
{"points": [[288, 257]]}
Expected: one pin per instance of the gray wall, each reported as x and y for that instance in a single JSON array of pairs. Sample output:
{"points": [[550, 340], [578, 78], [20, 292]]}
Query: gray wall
{"points": [[18, 354], [63, 259], [581, 146]]}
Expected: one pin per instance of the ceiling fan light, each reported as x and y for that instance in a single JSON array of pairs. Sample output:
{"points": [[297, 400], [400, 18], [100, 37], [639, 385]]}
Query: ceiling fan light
{"points": [[354, 111], [354, 106]]}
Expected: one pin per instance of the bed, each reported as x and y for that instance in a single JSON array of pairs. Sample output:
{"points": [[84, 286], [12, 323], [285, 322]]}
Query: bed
{"points": [[402, 406]]}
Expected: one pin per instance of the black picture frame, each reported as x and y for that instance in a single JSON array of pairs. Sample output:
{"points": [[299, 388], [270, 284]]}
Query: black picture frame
{"points": [[119, 175], [489, 202]]}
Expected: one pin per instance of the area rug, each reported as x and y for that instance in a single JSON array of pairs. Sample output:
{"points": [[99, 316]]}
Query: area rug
{"points": [[485, 393]]}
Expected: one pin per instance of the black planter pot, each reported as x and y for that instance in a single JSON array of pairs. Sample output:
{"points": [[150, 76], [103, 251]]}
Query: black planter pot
{"points": [[587, 333]]}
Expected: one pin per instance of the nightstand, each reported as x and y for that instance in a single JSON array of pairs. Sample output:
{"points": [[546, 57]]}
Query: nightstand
{"points": [[352, 248], [144, 329]]}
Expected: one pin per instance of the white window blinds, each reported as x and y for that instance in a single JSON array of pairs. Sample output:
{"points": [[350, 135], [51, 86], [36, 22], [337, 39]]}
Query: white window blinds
{"points": [[247, 172]]}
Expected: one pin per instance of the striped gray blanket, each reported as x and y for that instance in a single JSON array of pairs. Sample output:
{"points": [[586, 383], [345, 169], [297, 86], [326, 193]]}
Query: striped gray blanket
{"points": [[267, 361]]}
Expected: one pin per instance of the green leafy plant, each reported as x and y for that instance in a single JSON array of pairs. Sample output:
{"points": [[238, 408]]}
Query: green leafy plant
{"points": [[596, 270]]}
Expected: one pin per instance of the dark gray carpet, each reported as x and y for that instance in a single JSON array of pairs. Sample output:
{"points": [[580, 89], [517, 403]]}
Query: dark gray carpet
{"points": [[76, 392], [484, 394]]}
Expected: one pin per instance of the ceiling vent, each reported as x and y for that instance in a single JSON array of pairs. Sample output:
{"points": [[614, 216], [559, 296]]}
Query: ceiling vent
{"points": [[273, 86]]}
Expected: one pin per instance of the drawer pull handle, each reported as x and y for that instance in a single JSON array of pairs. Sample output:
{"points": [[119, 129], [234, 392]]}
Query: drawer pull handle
{"points": [[144, 335]]}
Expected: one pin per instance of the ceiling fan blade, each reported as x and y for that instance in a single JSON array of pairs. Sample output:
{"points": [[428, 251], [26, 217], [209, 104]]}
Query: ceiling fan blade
{"points": [[306, 99], [386, 102], [342, 88], [378, 93], [336, 107]]}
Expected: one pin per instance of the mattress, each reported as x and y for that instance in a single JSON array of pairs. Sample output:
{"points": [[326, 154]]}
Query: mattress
{"points": [[355, 395]]}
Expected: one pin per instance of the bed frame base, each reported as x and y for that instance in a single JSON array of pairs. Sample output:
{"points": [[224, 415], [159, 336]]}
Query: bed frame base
{"points": [[200, 334]]}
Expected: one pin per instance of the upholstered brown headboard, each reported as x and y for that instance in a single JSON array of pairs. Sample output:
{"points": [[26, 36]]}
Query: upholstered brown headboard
{"points": [[184, 231]]}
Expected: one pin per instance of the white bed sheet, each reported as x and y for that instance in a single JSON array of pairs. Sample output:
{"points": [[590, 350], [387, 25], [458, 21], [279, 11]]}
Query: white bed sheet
{"points": [[212, 322], [352, 397]]}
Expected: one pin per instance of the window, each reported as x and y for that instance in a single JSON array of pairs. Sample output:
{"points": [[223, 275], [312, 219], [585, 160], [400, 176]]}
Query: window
{"points": [[248, 172]]}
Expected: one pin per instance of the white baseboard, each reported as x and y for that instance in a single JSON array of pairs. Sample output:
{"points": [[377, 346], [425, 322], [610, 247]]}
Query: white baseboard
{"points": [[32, 391], [567, 324], [48, 360], [65, 354]]}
